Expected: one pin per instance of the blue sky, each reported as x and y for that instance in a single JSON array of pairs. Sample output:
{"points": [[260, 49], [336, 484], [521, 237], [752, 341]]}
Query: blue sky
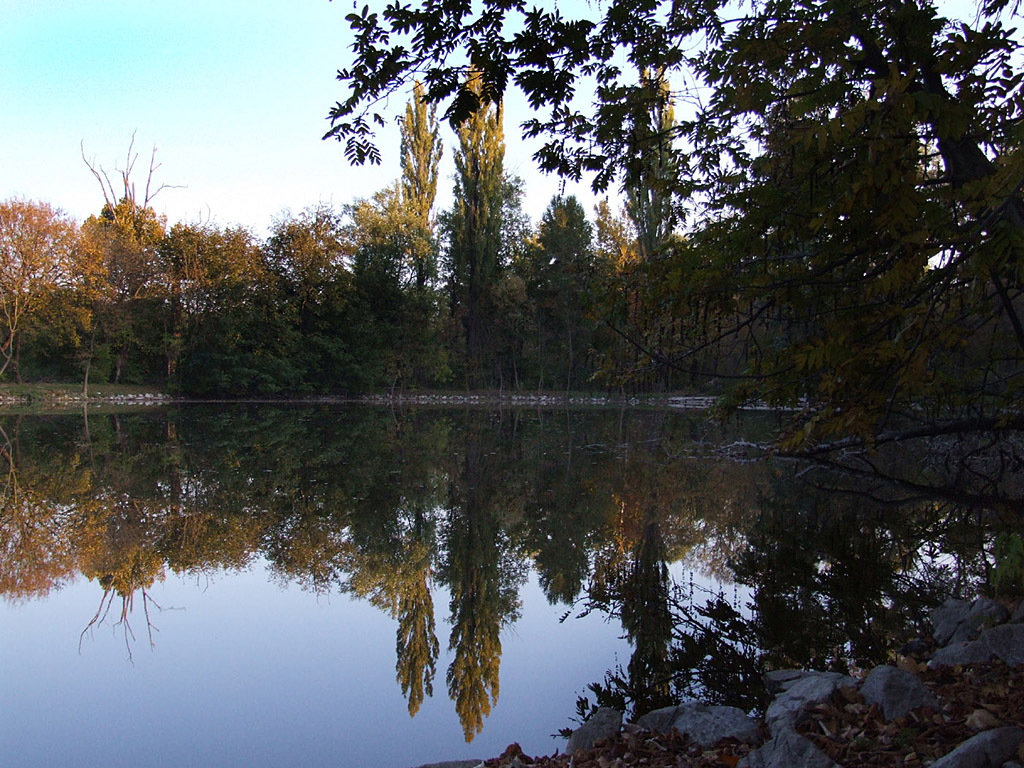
{"points": [[233, 94]]}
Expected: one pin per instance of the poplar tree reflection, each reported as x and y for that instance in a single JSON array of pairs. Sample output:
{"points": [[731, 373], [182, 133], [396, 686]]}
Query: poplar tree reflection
{"points": [[484, 574], [416, 645], [648, 621], [399, 580]]}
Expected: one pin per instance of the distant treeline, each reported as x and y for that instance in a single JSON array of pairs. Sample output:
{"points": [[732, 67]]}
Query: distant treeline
{"points": [[907, 315], [379, 294]]}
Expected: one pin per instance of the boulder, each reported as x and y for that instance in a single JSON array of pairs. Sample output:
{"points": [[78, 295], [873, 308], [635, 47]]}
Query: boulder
{"points": [[788, 707], [778, 680], [787, 750], [896, 692], [703, 724], [989, 748], [1018, 615], [974, 652], [603, 724], [1004, 642], [947, 617], [957, 621]]}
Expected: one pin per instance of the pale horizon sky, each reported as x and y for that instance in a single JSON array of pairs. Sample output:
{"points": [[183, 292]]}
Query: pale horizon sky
{"points": [[234, 96]]}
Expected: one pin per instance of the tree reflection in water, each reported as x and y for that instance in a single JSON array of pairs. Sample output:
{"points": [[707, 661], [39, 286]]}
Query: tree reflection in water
{"points": [[389, 508]]}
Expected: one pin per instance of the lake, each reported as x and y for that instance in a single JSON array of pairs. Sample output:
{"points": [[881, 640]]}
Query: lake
{"points": [[268, 585]]}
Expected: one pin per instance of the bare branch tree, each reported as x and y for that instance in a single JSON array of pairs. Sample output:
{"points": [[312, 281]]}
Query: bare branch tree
{"points": [[110, 197]]}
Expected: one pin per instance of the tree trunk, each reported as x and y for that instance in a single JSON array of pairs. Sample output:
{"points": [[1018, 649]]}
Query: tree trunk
{"points": [[17, 358]]}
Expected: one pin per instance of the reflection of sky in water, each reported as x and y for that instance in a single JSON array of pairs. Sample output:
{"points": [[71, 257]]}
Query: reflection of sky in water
{"points": [[245, 672]]}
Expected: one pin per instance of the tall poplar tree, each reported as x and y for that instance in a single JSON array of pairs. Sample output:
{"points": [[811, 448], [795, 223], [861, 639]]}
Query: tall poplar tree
{"points": [[651, 169], [421, 154], [474, 226]]}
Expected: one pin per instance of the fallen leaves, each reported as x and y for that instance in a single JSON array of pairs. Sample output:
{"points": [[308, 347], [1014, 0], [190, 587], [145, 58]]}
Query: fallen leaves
{"points": [[973, 698]]}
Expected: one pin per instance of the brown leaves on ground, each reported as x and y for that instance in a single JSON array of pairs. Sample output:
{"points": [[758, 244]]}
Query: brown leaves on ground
{"points": [[642, 748], [974, 698]]}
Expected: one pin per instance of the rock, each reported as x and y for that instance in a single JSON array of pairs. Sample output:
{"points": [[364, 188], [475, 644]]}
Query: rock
{"points": [[916, 648], [957, 621], [787, 750], [455, 764], [896, 692], [991, 748], [660, 720], [1018, 615], [778, 680], [703, 724], [1004, 642], [962, 653], [788, 707], [604, 723], [947, 617]]}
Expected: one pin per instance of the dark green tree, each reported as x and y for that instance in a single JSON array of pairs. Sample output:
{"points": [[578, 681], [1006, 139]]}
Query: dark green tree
{"points": [[394, 326], [559, 273], [308, 255], [474, 225]]}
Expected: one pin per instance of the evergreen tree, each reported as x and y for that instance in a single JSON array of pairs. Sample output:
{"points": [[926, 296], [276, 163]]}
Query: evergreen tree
{"points": [[561, 264]]}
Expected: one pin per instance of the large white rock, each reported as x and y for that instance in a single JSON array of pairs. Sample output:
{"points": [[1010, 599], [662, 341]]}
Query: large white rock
{"points": [[1004, 642], [957, 621]]}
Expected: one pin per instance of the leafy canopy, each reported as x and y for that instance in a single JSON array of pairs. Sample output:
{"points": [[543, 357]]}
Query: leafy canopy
{"points": [[847, 173]]}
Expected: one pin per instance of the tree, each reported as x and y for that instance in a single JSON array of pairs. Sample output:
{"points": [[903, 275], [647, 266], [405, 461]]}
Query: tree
{"points": [[474, 224], [850, 177], [37, 245], [650, 172], [560, 266], [122, 243], [421, 154], [393, 324], [310, 257], [228, 331]]}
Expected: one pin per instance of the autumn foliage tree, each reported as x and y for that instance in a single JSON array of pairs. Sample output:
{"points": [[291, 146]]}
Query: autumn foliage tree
{"points": [[37, 245]]}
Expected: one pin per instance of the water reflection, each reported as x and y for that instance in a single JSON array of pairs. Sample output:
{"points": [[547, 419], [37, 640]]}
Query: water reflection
{"points": [[389, 507]]}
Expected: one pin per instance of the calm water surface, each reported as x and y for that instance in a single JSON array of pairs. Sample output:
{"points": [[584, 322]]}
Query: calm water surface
{"points": [[256, 586]]}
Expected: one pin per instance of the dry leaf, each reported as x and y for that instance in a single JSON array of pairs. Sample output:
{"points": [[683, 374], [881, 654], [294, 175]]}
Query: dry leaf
{"points": [[908, 664], [982, 720]]}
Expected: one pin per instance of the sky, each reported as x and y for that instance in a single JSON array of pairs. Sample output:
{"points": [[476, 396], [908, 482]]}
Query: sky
{"points": [[233, 94]]}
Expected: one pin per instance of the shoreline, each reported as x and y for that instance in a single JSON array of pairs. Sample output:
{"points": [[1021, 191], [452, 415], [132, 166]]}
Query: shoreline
{"points": [[49, 395], [951, 701]]}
